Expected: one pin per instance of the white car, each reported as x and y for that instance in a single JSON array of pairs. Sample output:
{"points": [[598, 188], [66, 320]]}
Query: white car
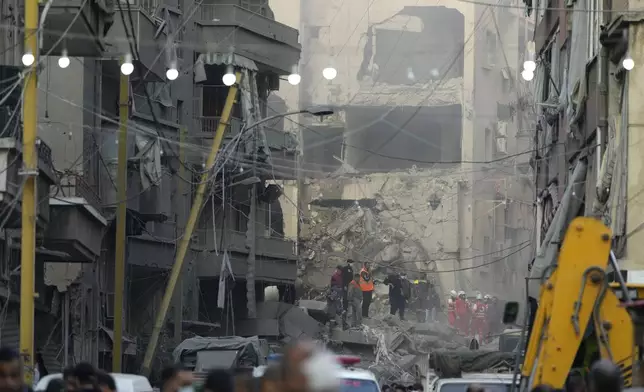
{"points": [[491, 382], [355, 379], [124, 382]]}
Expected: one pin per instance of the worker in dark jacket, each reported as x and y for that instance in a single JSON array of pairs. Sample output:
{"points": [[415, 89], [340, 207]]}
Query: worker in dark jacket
{"points": [[396, 296], [347, 277]]}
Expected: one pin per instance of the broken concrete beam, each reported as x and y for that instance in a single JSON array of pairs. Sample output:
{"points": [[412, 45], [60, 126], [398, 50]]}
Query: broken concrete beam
{"points": [[435, 329], [352, 337]]}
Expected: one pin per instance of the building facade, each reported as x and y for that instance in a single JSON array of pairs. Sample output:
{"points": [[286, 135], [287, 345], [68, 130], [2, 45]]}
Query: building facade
{"points": [[586, 130], [170, 130], [432, 108]]}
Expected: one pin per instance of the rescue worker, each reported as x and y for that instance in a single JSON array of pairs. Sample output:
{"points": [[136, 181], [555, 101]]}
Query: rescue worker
{"points": [[451, 308], [347, 277], [334, 298], [396, 297], [479, 312], [462, 321], [366, 285], [354, 295]]}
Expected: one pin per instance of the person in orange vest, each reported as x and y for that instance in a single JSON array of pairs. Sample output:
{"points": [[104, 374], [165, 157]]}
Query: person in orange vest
{"points": [[479, 313], [451, 308], [366, 286]]}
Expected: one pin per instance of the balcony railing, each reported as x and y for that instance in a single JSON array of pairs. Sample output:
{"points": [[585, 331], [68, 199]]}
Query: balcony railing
{"points": [[77, 186], [243, 13], [207, 126]]}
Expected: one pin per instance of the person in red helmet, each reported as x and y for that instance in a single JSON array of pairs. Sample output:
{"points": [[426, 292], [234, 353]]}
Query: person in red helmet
{"points": [[479, 313], [462, 314]]}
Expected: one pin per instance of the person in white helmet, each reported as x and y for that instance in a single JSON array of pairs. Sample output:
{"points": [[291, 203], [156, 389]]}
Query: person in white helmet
{"points": [[462, 313], [479, 315], [451, 308]]}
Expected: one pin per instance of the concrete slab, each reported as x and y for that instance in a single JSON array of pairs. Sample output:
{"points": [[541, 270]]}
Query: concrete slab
{"points": [[352, 337]]}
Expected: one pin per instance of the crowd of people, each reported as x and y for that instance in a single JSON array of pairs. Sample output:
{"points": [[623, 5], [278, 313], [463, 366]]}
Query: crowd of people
{"points": [[304, 367], [480, 317]]}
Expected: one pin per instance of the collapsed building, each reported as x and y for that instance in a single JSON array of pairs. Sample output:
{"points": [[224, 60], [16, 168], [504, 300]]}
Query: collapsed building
{"points": [[425, 167]]}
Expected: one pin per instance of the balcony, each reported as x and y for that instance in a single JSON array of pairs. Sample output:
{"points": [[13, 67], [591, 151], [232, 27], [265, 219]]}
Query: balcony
{"points": [[85, 37], [11, 178], [272, 45], [275, 259], [148, 43]]}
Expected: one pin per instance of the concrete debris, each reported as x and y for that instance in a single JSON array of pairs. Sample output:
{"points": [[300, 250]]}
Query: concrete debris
{"points": [[281, 320], [411, 222]]}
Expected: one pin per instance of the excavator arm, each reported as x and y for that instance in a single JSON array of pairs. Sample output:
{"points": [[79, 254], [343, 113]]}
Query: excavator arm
{"points": [[567, 302]]}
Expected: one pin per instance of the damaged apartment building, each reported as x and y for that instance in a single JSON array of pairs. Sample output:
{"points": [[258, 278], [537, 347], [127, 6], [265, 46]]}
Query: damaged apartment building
{"points": [[588, 124], [421, 171], [170, 130]]}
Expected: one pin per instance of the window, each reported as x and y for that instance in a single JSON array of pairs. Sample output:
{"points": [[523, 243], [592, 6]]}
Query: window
{"points": [[594, 20], [490, 46]]}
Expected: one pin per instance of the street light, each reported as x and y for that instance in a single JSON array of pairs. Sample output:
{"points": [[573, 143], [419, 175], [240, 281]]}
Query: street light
{"points": [[527, 75], [628, 63], [329, 73], [127, 67], [229, 77], [63, 61], [28, 59]]}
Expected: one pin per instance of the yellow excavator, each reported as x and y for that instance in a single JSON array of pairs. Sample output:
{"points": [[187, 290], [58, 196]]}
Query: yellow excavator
{"points": [[580, 313]]}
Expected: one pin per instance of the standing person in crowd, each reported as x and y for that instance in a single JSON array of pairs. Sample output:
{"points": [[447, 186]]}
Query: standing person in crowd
{"points": [[174, 378], [462, 311], [71, 384], [11, 379], [479, 314], [105, 382], [355, 301], [451, 308], [366, 285], [85, 375], [56, 385], [347, 277], [334, 298], [434, 300], [396, 297]]}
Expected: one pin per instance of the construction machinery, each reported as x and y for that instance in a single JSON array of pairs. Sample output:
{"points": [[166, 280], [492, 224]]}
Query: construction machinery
{"points": [[581, 315]]}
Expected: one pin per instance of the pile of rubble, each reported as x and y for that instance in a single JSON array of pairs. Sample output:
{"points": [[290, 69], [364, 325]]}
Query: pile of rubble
{"points": [[391, 348], [399, 222]]}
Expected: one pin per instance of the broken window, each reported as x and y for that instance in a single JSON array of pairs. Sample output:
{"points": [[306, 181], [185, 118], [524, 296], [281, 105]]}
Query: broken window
{"points": [[414, 41]]}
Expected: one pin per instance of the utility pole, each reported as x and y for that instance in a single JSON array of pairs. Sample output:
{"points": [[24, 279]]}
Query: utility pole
{"points": [[180, 203], [252, 232], [121, 216], [30, 173], [190, 225]]}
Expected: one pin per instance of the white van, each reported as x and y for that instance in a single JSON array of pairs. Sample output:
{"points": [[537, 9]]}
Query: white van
{"points": [[124, 382]]}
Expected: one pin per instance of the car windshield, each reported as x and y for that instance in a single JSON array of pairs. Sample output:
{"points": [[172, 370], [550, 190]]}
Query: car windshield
{"points": [[487, 386], [353, 385]]}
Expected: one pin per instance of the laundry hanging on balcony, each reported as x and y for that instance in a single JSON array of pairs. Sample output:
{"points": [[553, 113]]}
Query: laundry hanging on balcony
{"points": [[217, 58], [149, 156]]}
